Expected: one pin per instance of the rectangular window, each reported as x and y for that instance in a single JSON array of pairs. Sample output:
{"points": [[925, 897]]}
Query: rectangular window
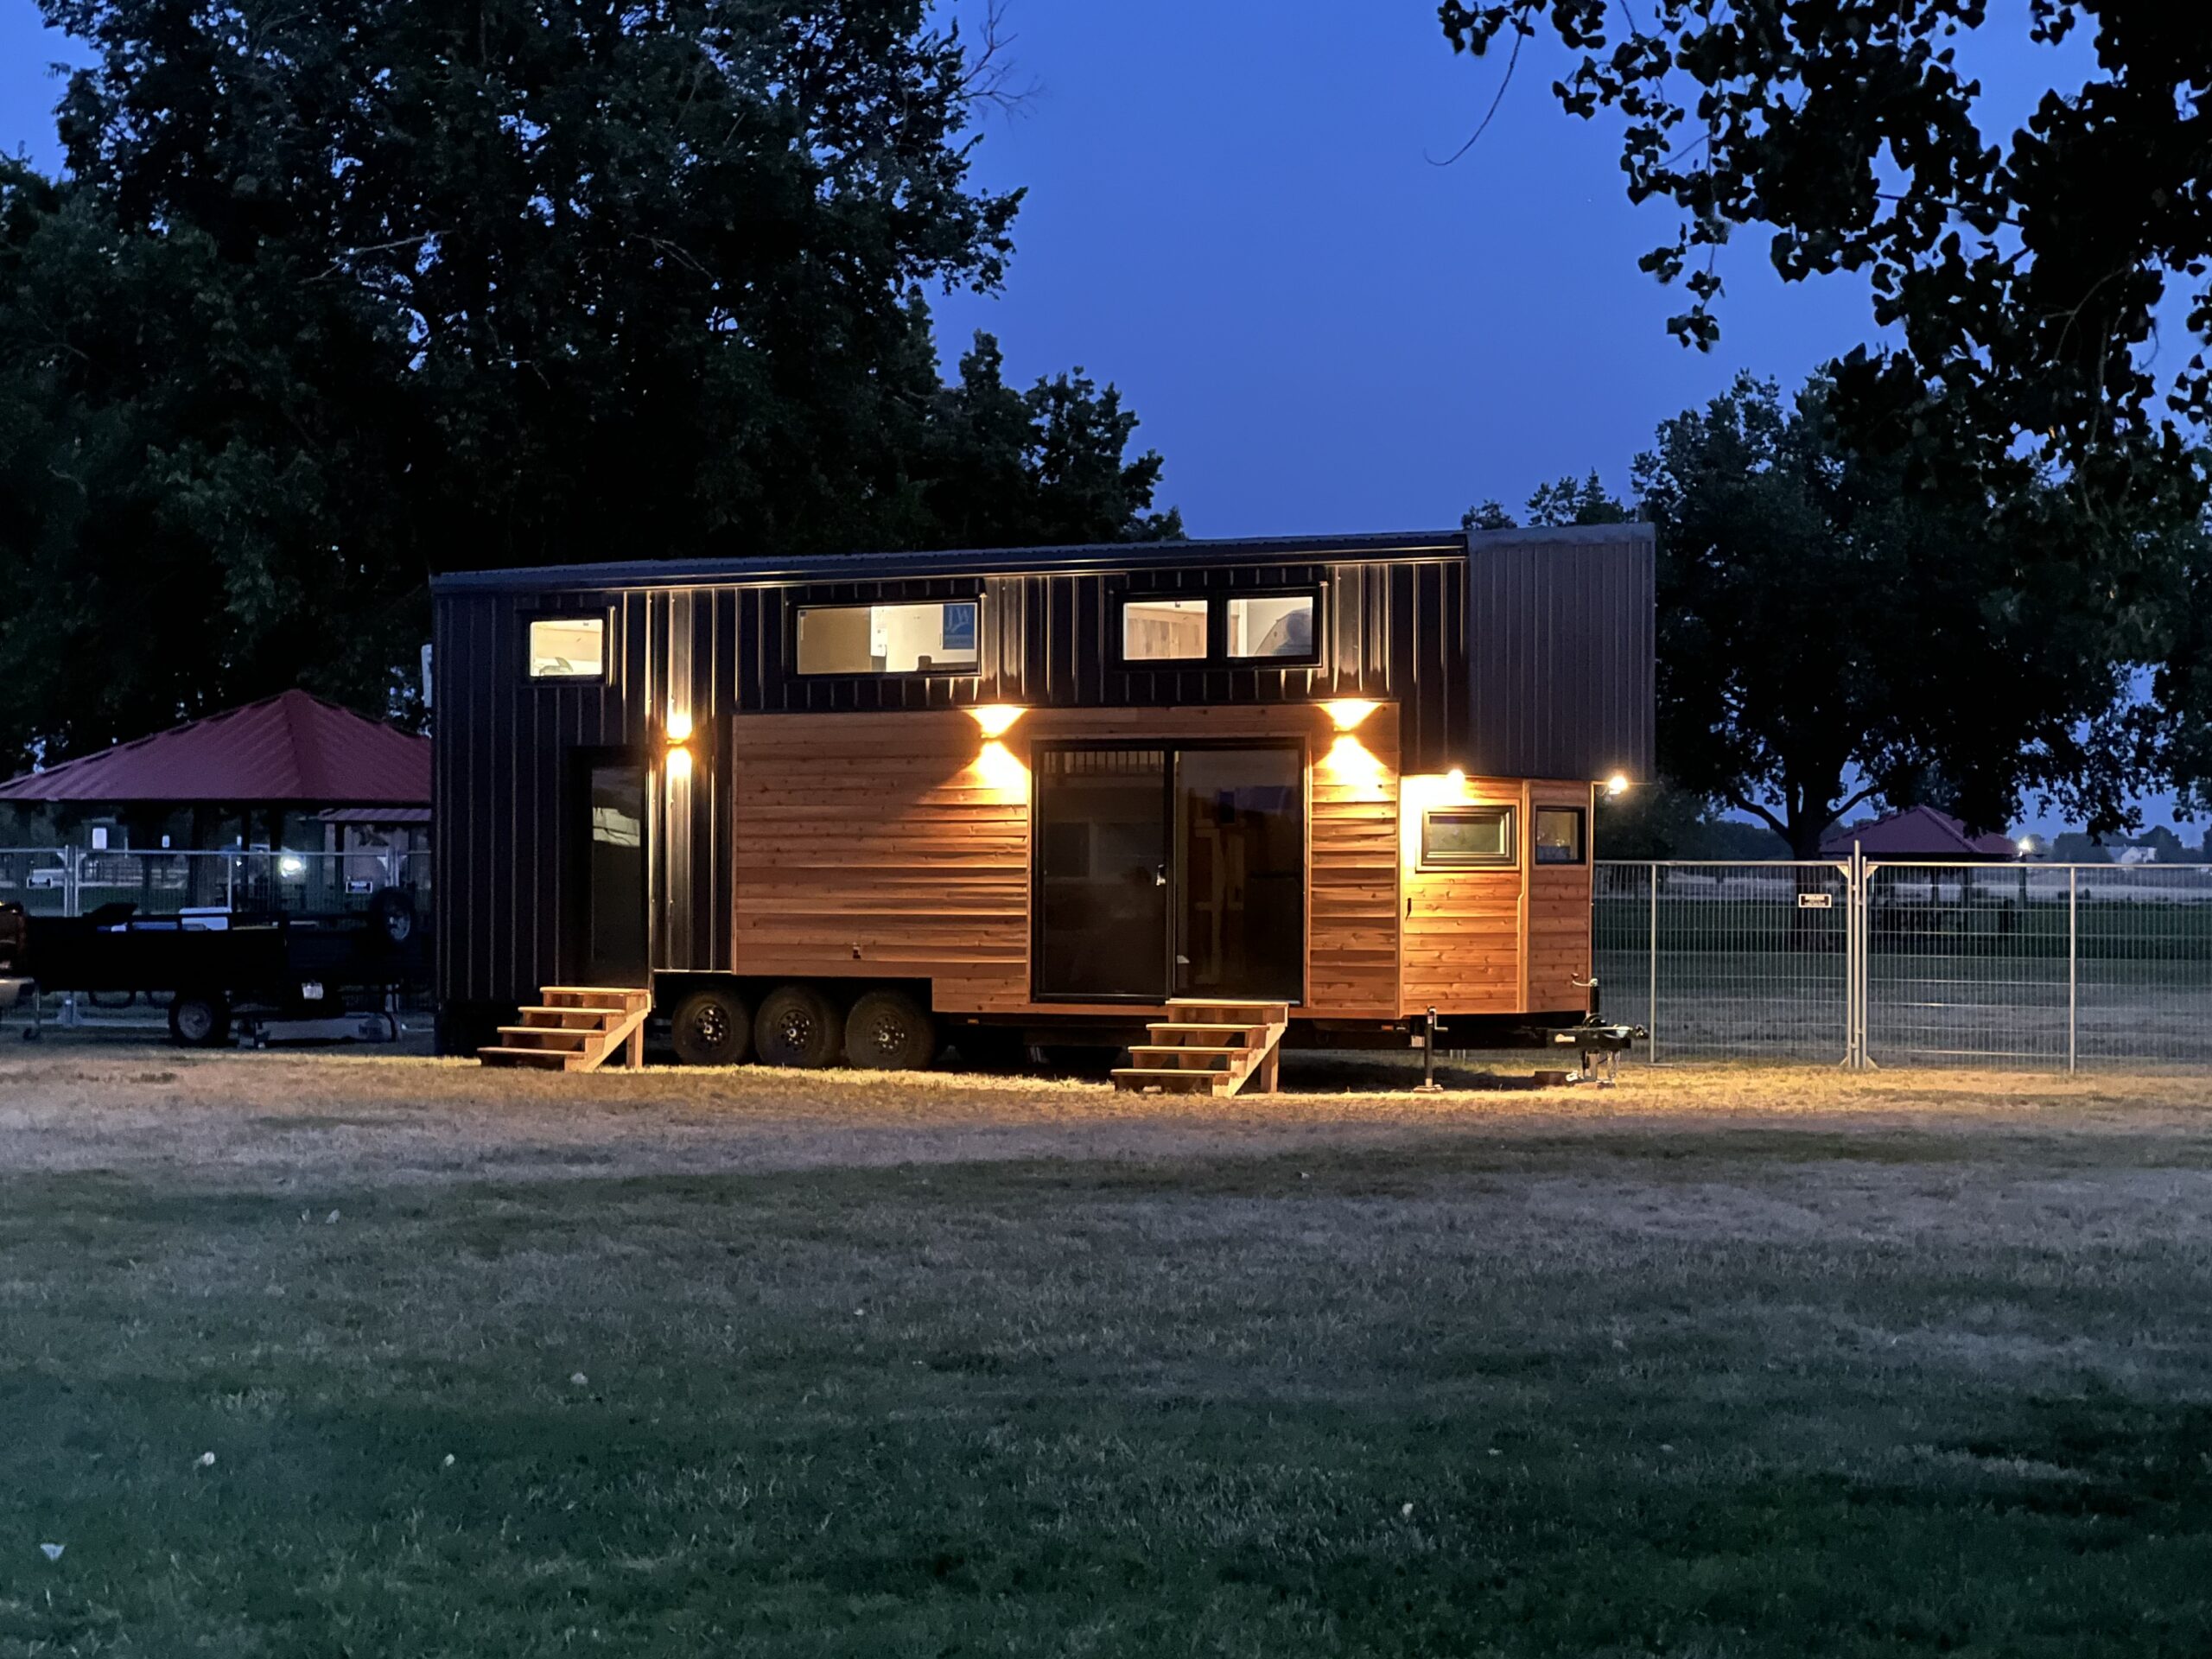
{"points": [[936, 636], [1468, 838], [1277, 625], [1559, 835], [1163, 630], [568, 648]]}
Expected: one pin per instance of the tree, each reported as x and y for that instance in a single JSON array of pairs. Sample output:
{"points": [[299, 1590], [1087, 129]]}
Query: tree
{"points": [[1829, 636], [1564, 501], [334, 297], [2022, 269]]}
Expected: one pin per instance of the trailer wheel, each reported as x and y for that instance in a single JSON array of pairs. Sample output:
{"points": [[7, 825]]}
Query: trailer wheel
{"points": [[711, 1027], [797, 1025], [888, 1031], [199, 1019]]}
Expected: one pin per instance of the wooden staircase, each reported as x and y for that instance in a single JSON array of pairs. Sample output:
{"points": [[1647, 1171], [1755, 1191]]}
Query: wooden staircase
{"points": [[1205, 1047], [579, 1028]]}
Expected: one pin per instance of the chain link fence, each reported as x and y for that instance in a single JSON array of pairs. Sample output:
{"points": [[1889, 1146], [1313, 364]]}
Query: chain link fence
{"points": [[206, 889], [1895, 963]]}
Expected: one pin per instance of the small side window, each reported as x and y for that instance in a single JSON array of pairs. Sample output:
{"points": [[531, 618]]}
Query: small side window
{"points": [[1163, 630], [1559, 835], [1468, 838], [568, 648]]}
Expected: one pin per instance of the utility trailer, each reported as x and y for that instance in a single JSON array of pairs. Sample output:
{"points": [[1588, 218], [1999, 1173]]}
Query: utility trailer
{"points": [[256, 976], [855, 808]]}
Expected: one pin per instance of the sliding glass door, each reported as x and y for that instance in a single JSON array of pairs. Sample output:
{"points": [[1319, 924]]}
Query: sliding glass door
{"points": [[1164, 871]]}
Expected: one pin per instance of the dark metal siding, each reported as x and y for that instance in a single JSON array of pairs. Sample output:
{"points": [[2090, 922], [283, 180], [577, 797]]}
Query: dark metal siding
{"points": [[1394, 630], [1560, 652]]}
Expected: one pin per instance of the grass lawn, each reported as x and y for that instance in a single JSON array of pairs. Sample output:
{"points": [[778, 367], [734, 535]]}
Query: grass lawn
{"points": [[1718, 1362]]}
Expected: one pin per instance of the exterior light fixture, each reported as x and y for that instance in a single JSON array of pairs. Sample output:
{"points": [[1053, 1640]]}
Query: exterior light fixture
{"points": [[1002, 770], [1348, 712], [1617, 785], [2026, 844], [679, 726], [996, 718], [1457, 777]]}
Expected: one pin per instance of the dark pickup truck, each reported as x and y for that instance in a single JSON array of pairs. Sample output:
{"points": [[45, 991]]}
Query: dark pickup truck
{"points": [[216, 968]]}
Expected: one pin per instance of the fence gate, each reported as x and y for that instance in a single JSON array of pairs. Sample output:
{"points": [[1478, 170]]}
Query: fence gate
{"points": [[1883, 964]]}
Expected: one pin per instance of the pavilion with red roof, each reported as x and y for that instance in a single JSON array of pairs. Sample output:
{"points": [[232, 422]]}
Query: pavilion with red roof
{"points": [[1919, 832], [262, 767]]}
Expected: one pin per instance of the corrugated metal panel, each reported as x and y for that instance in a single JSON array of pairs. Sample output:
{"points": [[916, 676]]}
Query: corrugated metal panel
{"points": [[1560, 652]]}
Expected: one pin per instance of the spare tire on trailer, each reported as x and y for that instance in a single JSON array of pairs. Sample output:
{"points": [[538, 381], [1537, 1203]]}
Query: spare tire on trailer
{"points": [[199, 1019], [712, 1027], [797, 1025], [889, 1031], [392, 911]]}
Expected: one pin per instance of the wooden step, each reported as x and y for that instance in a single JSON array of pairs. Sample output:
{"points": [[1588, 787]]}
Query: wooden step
{"points": [[560, 1039], [541, 1059], [1173, 1083], [575, 1028]]}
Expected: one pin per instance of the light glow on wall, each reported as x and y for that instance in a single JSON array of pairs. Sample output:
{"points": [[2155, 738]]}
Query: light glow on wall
{"points": [[1002, 770], [1348, 712], [996, 718], [1350, 763], [679, 765], [679, 726]]}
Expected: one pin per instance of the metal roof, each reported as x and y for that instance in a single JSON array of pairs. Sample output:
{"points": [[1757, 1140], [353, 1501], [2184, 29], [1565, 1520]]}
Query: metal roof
{"points": [[966, 561], [1917, 832], [292, 748]]}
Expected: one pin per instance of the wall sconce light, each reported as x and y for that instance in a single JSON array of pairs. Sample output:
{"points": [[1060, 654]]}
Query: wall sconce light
{"points": [[996, 718], [1457, 777], [1616, 785], [679, 726], [1347, 712]]}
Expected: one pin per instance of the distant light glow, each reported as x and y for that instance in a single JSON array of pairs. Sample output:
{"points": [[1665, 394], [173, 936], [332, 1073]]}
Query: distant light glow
{"points": [[2027, 844], [996, 718], [679, 726], [291, 866], [1348, 712], [1618, 784]]}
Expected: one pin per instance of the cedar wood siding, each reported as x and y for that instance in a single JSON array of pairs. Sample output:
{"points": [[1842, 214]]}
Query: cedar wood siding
{"points": [[880, 846]]}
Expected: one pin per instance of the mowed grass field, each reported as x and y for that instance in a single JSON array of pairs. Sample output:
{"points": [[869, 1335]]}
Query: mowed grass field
{"points": [[1717, 1363]]}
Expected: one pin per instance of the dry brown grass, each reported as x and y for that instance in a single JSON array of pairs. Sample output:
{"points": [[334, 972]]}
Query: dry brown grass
{"points": [[74, 1108]]}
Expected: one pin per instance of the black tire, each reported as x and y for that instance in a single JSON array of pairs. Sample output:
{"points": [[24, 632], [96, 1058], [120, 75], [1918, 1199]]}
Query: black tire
{"points": [[392, 913], [712, 1027], [199, 1019], [797, 1025], [888, 1031]]}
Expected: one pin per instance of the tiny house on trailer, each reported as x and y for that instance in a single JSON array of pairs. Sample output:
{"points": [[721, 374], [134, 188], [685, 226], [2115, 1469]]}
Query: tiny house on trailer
{"points": [[857, 807]]}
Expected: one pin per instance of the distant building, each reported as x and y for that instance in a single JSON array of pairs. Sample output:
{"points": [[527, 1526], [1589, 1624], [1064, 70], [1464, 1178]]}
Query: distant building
{"points": [[290, 772], [1919, 832]]}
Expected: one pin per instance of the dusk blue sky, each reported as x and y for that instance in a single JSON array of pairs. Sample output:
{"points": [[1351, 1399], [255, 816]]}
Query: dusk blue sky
{"points": [[1234, 214]]}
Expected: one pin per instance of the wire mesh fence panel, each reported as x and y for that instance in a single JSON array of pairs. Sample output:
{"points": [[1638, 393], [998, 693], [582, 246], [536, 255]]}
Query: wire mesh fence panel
{"points": [[37, 878], [1967, 963], [2144, 965], [1746, 959]]}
